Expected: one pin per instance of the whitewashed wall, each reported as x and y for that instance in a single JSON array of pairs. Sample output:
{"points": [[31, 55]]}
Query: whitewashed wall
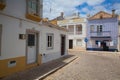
{"points": [[13, 47], [75, 37]]}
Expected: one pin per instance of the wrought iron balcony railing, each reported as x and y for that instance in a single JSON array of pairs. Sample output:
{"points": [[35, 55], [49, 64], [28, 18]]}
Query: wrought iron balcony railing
{"points": [[100, 34], [78, 32]]}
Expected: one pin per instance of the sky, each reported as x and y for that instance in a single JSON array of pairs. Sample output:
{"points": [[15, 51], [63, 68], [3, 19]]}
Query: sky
{"points": [[53, 8]]}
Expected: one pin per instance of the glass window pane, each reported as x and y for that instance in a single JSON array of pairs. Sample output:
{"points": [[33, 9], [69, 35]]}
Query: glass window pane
{"points": [[31, 40], [30, 4], [33, 6], [50, 40], [92, 28]]}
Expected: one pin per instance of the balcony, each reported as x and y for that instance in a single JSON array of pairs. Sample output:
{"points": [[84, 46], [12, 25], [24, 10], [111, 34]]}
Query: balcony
{"points": [[71, 33], [100, 34], [75, 33], [2, 4], [33, 17], [78, 32]]}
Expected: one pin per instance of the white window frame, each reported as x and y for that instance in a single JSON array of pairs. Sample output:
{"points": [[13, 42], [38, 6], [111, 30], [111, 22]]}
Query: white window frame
{"points": [[0, 37], [50, 42], [99, 28], [79, 41], [77, 29], [33, 7], [92, 28]]}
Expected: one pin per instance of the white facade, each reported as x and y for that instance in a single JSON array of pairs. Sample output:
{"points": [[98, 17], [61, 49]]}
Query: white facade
{"points": [[13, 49], [77, 35]]}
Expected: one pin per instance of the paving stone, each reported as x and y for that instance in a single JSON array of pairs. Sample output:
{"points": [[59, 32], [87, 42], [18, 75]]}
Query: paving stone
{"points": [[90, 66], [36, 72]]}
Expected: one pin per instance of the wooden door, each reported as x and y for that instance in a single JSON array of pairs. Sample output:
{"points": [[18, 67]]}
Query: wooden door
{"points": [[62, 44]]}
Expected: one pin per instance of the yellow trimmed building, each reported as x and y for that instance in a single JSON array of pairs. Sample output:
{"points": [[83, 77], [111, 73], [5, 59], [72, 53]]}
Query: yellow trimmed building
{"points": [[27, 40]]}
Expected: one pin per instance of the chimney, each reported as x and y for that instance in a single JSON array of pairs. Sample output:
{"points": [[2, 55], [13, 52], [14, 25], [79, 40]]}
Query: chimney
{"points": [[62, 14], [78, 14], [88, 15], [113, 13], [45, 19]]}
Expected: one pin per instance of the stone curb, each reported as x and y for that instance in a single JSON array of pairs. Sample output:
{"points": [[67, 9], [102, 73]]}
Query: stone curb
{"points": [[54, 70]]}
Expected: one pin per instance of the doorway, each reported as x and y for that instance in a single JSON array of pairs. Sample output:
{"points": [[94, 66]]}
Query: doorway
{"points": [[63, 41], [71, 44], [32, 47], [105, 47]]}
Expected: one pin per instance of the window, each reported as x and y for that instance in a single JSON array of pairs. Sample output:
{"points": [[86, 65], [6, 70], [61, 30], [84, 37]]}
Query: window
{"points": [[71, 29], [92, 28], [79, 42], [79, 29], [0, 37], [34, 10], [31, 40], [99, 28], [119, 23], [33, 7], [21, 36], [50, 41]]}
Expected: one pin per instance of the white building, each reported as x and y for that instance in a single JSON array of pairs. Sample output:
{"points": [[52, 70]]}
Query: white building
{"points": [[77, 31], [26, 41]]}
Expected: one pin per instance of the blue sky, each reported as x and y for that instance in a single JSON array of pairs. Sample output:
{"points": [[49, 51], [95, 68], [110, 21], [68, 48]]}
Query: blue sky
{"points": [[107, 4], [53, 8]]}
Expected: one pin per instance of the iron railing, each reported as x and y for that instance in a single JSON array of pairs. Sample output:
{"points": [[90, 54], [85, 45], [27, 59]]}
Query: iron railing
{"points": [[100, 34], [78, 32]]}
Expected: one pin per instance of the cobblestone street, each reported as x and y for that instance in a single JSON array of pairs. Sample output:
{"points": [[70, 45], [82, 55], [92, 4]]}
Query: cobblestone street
{"points": [[90, 66]]}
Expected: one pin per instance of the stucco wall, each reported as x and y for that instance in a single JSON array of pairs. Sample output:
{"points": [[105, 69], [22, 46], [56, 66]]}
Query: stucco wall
{"points": [[13, 52], [74, 37], [108, 25], [13, 47]]}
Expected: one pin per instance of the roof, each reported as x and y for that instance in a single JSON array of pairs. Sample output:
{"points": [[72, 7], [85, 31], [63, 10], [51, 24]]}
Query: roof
{"points": [[58, 18], [54, 26], [74, 21], [101, 15]]}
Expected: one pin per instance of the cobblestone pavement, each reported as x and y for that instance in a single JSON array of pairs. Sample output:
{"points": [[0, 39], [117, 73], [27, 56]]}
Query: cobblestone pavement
{"points": [[36, 72], [90, 66]]}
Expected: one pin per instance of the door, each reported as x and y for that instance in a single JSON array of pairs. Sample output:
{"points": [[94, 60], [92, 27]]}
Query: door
{"points": [[105, 47], [70, 44], [62, 44], [32, 41]]}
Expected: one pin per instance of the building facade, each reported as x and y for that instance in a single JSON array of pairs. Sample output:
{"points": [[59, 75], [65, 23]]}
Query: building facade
{"points": [[102, 31], [25, 40], [119, 33], [76, 31]]}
